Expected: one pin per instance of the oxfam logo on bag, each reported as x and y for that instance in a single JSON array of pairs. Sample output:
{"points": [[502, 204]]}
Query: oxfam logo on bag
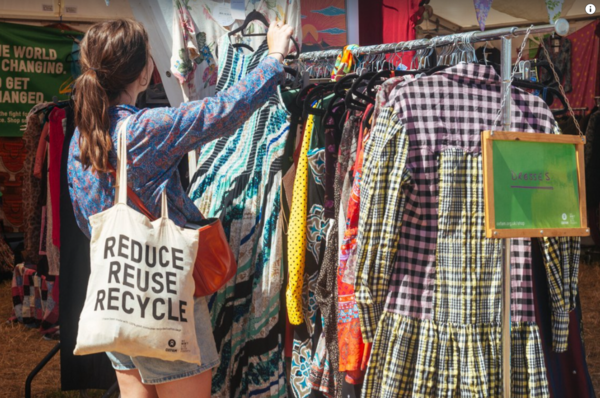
{"points": [[172, 344]]}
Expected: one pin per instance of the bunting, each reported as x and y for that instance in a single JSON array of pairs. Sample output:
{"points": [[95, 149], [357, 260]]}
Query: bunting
{"points": [[482, 8], [554, 9]]}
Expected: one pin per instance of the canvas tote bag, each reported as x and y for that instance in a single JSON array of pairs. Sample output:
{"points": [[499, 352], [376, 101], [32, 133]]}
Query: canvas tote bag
{"points": [[139, 299]]}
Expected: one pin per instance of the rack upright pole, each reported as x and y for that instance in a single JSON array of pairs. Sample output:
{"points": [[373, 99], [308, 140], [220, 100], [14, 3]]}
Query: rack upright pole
{"points": [[505, 70]]}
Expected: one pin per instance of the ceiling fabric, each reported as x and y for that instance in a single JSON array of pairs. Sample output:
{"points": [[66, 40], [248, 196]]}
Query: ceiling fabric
{"points": [[531, 10]]}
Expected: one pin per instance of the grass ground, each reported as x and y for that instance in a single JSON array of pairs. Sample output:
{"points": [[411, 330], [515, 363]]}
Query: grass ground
{"points": [[21, 348]]}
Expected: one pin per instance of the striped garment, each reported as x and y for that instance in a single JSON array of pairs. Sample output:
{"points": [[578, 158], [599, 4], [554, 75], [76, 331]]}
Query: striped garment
{"points": [[428, 282], [239, 180]]}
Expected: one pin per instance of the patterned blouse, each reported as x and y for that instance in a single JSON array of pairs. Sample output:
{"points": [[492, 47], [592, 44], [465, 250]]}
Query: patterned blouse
{"points": [[157, 140]]}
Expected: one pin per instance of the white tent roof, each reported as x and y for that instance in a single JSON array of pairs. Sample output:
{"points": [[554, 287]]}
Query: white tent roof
{"points": [[462, 12], [70, 10]]}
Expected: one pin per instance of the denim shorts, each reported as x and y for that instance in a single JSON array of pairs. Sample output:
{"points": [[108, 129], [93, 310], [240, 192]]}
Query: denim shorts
{"points": [[156, 371]]}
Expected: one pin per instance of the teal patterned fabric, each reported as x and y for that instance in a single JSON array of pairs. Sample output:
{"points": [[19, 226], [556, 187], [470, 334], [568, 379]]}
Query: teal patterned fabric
{"points": [[239, 180]]}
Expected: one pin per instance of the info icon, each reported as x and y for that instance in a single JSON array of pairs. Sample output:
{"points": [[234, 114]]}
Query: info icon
{"points": [[590, 9]]}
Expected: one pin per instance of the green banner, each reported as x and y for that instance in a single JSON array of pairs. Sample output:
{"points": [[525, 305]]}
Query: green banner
{"points": [[34, 67], [535, 185]]}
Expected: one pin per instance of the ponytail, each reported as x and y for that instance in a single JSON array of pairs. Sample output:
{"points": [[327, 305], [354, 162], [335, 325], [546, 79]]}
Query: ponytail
{"points": [[91, 117], [113, 55]]}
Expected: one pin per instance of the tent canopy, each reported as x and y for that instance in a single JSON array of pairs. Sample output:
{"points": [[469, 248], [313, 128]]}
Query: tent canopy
{"points": [[462, 12], [69, 10]]}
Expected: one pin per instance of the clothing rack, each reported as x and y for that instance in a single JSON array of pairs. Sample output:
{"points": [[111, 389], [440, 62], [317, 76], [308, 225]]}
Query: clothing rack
{"points": [[560, 27]]}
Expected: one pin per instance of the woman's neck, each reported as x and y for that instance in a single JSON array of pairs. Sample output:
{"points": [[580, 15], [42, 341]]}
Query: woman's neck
{"points": [[127, 97]]}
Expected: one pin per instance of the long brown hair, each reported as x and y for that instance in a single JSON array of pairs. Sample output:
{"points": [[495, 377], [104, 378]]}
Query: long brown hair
{"points": [[113, 54]]}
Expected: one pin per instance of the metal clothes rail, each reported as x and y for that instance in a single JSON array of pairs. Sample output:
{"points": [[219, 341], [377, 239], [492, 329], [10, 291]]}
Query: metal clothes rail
{"points": [[561, 27]]}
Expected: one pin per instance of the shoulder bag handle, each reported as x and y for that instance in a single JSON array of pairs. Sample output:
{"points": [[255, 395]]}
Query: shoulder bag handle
{"points": [[121, 195]]}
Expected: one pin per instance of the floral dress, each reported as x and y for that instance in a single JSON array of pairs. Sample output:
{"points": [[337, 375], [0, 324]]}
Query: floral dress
{"points": [[196, 34]]}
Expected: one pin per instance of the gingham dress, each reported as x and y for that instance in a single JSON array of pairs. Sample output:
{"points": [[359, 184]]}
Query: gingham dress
{"points": [[428, 282]]}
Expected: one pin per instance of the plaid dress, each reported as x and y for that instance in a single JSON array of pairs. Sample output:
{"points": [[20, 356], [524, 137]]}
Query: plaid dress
{"points": [[428, 283]]}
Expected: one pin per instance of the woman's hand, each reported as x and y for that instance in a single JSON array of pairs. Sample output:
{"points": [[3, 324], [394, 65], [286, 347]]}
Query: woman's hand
{"points": [[278, 39]]}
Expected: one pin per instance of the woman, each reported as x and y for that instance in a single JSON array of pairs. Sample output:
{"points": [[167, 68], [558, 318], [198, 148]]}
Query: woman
{"points": [[116, 65]]}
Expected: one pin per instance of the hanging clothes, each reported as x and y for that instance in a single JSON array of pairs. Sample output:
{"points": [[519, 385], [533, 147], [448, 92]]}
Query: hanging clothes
{"points": [[428, 283], [592, 161], [579, 64], [196, 35], [239, 180], [568, 373], [88, 371], [56, 136], [398, 22], [52, 251], [355, 353], [56, 122], [32, 190], [297, 308], [311, 367], [560, 50], [326, 375]]}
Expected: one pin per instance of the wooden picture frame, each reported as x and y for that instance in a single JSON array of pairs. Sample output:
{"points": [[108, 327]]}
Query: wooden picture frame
{"points": [[538, 192]]}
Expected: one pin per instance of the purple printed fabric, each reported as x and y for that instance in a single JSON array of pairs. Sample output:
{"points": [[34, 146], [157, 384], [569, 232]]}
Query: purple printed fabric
{"points": [[157, 140], [482, 8]]}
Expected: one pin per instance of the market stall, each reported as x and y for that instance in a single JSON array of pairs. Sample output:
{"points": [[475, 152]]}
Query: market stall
{"points": [[352, 199]]}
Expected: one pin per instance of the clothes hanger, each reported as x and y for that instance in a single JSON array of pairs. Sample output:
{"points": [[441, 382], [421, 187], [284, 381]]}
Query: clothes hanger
{"points": [[358, 84], [387, 70], [303, 93], [549, 93], [252, 17], [342, 86], [337, 106], [317, 93]]}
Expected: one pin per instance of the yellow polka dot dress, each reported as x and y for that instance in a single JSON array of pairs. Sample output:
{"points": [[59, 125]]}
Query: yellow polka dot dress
{"points": [[297, 231]]}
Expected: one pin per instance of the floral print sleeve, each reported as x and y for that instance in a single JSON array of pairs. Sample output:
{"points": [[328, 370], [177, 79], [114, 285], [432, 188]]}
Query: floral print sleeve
{"points": [[157, 140], [175, 131]]}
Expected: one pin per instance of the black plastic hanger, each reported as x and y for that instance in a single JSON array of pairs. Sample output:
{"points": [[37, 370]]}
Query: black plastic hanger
{"points": [[301, 97], [355, 96], [337, 111], [344, 84], [319, 92], [253, 16], [340, 90], [550, 93], [257, 16], [435, 69], [360, 82]]}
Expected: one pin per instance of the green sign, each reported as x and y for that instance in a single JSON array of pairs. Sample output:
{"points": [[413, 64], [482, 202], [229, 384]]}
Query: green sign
{"points": [[33, 69], [535, 185]]}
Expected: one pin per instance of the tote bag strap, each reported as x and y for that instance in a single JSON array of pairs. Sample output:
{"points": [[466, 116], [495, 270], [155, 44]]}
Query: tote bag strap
{"points": [[121, 178]]}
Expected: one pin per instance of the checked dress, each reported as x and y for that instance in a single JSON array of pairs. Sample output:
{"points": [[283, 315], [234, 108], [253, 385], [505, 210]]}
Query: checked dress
{"points": [[428, 283]]}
